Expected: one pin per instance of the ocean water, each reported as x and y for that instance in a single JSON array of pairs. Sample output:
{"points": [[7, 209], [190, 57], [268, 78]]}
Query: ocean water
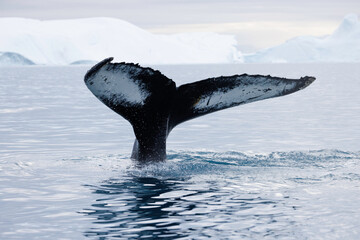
{"points": [[284, 168]]}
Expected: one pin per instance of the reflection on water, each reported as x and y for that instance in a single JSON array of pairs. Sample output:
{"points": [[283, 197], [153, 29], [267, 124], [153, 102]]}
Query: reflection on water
{"points": [[134, 208], [146, 207], [149, 208], [233, 196]]}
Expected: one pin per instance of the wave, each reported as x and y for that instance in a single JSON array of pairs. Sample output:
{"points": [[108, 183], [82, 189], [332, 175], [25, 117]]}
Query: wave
{"points": [[191, 163]]}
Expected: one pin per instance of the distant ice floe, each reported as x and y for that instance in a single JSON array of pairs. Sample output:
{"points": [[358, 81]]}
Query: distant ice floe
{"points": [[343, 45], [86, 41]]}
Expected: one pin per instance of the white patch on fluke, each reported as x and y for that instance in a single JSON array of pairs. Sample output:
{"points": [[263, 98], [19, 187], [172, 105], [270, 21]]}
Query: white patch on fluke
{"points": [[118, 87], [255, 89]]}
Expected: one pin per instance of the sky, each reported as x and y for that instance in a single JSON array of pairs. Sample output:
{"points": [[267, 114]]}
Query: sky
{"points": [[256, 24]]}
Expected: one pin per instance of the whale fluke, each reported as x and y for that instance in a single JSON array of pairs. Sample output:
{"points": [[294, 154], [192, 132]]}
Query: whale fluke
{"points": [[214, 94], [153, 104]]}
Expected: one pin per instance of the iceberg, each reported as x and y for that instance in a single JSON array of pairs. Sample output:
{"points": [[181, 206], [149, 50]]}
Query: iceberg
{"points": [[62, 42], [343, 45], [87, 41], [13, 59]]}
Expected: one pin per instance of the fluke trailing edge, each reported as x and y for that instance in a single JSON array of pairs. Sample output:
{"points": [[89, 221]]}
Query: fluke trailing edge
{"points": [[153, 104]]}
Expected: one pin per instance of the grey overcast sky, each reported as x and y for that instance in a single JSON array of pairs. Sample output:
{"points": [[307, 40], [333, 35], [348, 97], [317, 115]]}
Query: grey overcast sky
{"points": [[256, 23]]}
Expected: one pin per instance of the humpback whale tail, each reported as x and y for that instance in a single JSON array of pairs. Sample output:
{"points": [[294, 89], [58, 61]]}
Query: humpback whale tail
{"points": [[153, 104]]}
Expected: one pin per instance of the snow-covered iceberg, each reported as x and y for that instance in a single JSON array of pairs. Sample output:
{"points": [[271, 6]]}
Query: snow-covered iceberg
{"points": [[343, 45], [86, 41], [60, 42]]}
